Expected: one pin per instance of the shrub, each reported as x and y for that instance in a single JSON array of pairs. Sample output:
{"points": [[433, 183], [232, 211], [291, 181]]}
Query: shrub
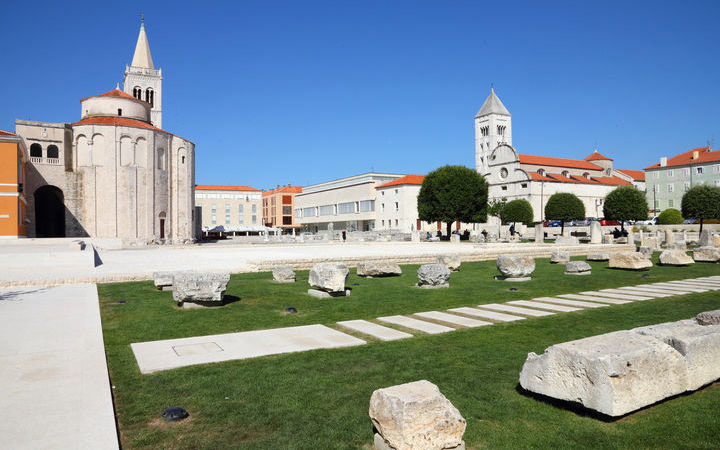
{"points": [[564, 206], [670, 216], [701, 202], [518, 211], [625, 203]]}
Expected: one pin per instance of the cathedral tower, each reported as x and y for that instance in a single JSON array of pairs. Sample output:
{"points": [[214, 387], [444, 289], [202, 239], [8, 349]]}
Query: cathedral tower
{"points": [[493, 126], [142, 80]]}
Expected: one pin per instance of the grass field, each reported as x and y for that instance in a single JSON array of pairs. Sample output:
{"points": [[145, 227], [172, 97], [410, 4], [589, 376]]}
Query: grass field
{"points": [[319, 399]]}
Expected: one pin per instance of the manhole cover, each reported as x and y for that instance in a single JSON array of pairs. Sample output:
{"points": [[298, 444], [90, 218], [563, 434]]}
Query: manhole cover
{"points": [[174, 413], [291, 310]]}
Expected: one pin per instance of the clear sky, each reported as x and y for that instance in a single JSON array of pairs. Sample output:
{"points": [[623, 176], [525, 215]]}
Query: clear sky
{"points": [[278, 92]]}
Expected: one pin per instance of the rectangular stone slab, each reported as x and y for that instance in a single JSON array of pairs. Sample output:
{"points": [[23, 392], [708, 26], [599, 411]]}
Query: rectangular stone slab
{"points": [[632, 290], [592, 298], [683, 287], [541, 305], [614, 373], [566, 302], [492, 315], [515, 309], [415, 324], [708, 283], [452, 319], [695, 284], [674, 290], [642, 297], [600, 293], [375, 330], [154, 356]]}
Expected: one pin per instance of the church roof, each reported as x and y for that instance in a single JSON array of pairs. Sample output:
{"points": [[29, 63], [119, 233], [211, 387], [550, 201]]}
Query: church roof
{"points": [[596, 156], [116, 93], [142, 57], [704, 155], [283, 189], [117, 121], [407, 179], [560, 178], [492, 105], [637, 175], [6, 133], [558, 162]]}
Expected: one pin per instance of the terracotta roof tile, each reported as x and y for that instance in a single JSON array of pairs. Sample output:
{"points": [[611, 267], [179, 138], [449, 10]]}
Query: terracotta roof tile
{"points": [[119, 121], [116, 93], [537, 177], [284, 189], [705, 155], [612, 181], [407, 179], [6, 133], [211, 187], [637, 175], [559, 178], [596, 156], [557, 162]]}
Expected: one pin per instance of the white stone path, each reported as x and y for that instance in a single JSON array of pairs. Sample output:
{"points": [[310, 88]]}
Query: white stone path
{"points": [[173, 353]]}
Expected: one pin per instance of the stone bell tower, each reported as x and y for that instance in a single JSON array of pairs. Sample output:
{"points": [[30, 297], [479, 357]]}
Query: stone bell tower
{"points": [[493, 126], [142, 80]]}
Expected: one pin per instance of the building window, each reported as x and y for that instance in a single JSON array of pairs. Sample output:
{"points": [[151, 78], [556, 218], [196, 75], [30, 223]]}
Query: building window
{"points": [[346, 208], [716, 168], [396, 191], [382, 193], [227, 219], [686, 171], [214, 209], [670, 203], [396, 222], [326, 210], [503, 173], [254, 208], [670, 173], [523, 185], [308, 212], [565, 173], [657, 204], [287, 210], [541, 172], [241, 219], [504, 188], [382, 222], [36, 151], [717, 182], [699, 170], [687, 185], [397, 207], [501, 130], [53, 152], [254, 220], [214, 219], [671, 187], [657, 174], [150, 96], [227, 208], [366, 205], [382, 207], [240, 209]]}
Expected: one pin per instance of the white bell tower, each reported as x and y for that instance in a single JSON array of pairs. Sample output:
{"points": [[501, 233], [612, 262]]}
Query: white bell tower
{"points": [[142, 80], [493, 126]]}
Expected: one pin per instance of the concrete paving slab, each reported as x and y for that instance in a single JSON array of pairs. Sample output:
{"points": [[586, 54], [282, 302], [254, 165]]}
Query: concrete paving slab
{"points": [[416, 324], [673, 290], [592, 298], [154, 356], [601, 293], [566, 302], [641, 297], [697, 284], [452, 319], [645, 292], [683, 287], [715, 284], [375, 330], [54, 387], [541, 305], [492, 315], [515, 309]]}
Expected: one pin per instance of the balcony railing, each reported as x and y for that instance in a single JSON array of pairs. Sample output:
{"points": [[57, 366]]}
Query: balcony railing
{"points": [[41, 160]]}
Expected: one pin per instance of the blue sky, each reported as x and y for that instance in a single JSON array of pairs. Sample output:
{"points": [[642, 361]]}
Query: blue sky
{"points": [[302, 92]]}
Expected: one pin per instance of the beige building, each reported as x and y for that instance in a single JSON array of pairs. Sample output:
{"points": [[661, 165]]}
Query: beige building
{"points": [[344, 204], [235, 208], [279, 206], [114, 173]]}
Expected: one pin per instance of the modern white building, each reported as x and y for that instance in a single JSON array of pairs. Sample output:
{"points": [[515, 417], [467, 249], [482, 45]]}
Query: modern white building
{"points": [[236, 208]]}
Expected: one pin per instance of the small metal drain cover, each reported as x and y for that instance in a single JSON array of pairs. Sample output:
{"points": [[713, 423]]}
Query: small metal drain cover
{"points": [[291, 310], [174, 414], [513, 289]]}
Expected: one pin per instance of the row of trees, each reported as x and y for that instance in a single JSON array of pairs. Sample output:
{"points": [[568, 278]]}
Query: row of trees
{"points": [[459, 194]]}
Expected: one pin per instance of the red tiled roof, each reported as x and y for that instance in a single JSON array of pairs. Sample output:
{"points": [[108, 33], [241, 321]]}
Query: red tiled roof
{"points": [[612, 181], [705, 154], [637, 175], [6, 133], [537, 177], [116, 93], [407, 179], [557, 162], [559, 178], [563, 179], [119, 121], [210, 187], [285, 189], [596, 156]]}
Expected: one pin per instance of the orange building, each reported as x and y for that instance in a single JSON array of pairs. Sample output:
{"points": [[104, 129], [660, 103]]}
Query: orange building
{"points": [[13, 204], [278, 206]]}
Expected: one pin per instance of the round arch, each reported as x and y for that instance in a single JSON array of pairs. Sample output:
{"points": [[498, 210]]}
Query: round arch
{"points": [[49, 212]]}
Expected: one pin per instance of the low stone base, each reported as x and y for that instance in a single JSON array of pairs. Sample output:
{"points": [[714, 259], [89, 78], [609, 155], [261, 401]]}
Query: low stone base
{"points": [[283, 281], [578, 273], [317, 293], [381, 444], [165, 288], [516, 279], [189, 305], [433, 286]]}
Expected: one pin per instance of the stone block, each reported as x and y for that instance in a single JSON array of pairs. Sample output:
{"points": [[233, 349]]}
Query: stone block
{"points": [[614, 373], [567, 240], [317, 293], [607, 239], [200, 287], [598, 256], [595, 232], [451, 261], [163, 280], [708, 318], [515, 266], [416, 416], [675, 258], [716, 240], [433, 275], [706, 254], [650, 241], [455, 238], [706, 239], [329, 277], [669, 237], [677, 245], [559, 257], [283, 274], [577, 268], [539, 234], [378, 269], [629, 261], [647, 252]]}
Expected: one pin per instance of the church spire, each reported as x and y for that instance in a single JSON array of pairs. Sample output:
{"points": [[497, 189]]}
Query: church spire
{"points": [[492, 105], [142, 57]]}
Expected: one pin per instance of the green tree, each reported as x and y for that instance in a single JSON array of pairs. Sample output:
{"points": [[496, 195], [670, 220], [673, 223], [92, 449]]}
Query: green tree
{"points": [[518, 210], [453, 193], [670, 216], [495, 208], [701, 202], [625, 203], [564, 206]]}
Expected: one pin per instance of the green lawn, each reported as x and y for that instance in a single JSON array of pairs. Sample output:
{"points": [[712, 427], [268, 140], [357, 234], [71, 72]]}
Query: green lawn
{"points": [[319, 399]]}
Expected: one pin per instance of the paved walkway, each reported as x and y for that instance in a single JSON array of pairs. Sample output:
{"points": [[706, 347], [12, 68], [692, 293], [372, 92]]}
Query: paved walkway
{"points": [[169, 354], [54, 388]]}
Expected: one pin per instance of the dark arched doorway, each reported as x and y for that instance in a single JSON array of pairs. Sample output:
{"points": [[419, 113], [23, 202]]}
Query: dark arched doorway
{"points": [[49, 212]]}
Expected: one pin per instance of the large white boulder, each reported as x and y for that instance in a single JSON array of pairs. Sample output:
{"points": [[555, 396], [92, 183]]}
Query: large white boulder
{"points": [[675, 258], [452, 261], [629, 261], [415, 416], [559, 257], [378, 269], [708, 318], [329, 277], [650, 241], [200, 287], [283, 274], [163, 280], [706, 254], [433, 276], [515, 266], [613, 373], [567, 240], [577, 268]]}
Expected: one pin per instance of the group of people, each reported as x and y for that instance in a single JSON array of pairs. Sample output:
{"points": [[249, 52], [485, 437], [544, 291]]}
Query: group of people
{"points": [[464, 236]]}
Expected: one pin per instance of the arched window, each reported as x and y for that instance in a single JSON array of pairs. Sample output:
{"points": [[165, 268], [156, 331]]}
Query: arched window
{"points": [[149, 96], [137, 92], [565, 173], [53, 152], [36, 150], [541, 172], [586, 175]]}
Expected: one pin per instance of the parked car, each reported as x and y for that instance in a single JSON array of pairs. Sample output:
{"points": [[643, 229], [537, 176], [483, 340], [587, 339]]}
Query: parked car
{"points": [[690, 221], [608, 223], [583, 222], [553, 223], [650, 221]]}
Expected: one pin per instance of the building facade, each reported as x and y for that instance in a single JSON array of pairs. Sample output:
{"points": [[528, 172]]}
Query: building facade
{"points": [[396, 206], [14, 158], [237, 208], [278, 207], [668, 180], [114, 173], [511, 175], [344, 204]]}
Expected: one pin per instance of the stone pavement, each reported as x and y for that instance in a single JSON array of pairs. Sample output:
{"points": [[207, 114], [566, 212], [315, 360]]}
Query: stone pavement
{"points": [[169, 354], [54, 387]]}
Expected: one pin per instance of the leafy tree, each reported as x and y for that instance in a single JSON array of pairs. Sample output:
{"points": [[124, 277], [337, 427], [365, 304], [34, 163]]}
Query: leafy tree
{"points": [[625, 203], [518, 210], [564, 206], [701, 202], [453, 193], [670, 216], [495, 208]]}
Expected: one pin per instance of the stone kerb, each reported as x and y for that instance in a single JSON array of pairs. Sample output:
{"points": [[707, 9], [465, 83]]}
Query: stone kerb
{"points": [[415, 416]]}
